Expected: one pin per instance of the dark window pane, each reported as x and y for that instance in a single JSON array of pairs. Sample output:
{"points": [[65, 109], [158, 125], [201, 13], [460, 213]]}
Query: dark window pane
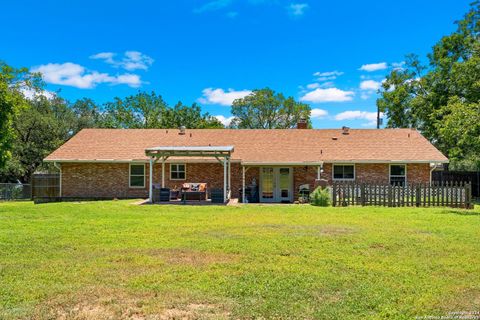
{"points": [[177, 171], [136, 181], [137, 170], [338, 172], [343, 172], [397, 170], [348, 172]]}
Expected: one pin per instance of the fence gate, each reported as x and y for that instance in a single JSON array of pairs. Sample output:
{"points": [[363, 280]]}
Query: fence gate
{"points": [[453, 194]]}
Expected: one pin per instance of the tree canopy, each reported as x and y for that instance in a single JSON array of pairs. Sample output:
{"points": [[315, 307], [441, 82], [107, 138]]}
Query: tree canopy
{"points": [[33, 127], [441, 98], [12, 82], [265, 109]]}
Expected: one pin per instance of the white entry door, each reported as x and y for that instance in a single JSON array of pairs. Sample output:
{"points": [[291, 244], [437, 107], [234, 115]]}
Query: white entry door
{"points": [[276, 184]]}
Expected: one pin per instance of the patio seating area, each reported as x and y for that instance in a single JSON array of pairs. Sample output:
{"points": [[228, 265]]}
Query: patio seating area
{"points": [[195, 193]]}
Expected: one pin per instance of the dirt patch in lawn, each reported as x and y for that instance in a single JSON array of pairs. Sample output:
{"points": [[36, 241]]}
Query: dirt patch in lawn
{"points": [[319, 231], [182, 256], [106, 303], [307, 230]]}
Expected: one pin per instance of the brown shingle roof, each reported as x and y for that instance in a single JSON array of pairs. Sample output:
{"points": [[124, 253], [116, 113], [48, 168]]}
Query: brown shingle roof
{"points": [[266, 146]]}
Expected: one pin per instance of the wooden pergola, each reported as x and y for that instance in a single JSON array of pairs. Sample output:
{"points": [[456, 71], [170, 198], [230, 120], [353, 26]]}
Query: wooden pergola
{"points": [[221, 153]]}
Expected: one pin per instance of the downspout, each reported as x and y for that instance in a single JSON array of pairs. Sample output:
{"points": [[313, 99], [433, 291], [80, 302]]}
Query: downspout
{"points": [[433, 167], [59, 167]]}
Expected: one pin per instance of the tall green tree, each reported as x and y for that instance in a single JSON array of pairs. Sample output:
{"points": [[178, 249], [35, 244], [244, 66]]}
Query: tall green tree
{"points": [[12, 82], [87, 114], [265, 109], [143, 110], [149, 110], [442, 93], [39, 128], [189, 116]]}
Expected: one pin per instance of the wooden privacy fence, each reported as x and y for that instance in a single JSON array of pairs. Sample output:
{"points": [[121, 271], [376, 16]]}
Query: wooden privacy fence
{"points": [[459, 176], [46, 185], [453, 194]]}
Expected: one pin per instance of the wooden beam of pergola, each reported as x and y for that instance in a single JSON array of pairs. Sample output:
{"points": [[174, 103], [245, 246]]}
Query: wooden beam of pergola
{"points": [[218, 152]]}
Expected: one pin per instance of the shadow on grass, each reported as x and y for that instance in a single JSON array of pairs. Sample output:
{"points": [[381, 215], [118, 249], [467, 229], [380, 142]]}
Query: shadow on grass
{"points": [[462, 212]]}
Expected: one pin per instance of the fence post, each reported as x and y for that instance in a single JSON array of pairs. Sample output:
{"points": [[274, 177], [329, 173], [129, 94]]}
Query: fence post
{"points": [[389, 195], [362, 194], [334, 194], [468, 196], [417, 195]]}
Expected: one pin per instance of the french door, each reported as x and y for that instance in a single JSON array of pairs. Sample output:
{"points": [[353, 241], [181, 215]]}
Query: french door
{"points": [[276, 184]]}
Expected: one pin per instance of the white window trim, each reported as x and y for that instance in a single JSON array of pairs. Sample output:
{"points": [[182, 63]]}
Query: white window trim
{"points": [[390, 171], [130, 175], [344, 164], [175, 164]]}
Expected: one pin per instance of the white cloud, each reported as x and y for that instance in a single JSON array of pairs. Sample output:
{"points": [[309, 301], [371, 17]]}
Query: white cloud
{"points": [[371, 117], [398, 65], [107, 56], [328, 95], [224, 120], [313, 85], [364, 95], [371, 85], [75, 75], [297, 9], [222, 97], [318, 113], [328, 84], [31, 94], [132, 60], [328, 74], [374, 66]]}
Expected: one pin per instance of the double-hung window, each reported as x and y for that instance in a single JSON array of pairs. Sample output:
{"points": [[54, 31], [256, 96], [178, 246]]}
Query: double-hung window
{"points": [[343, 172], [177, 171], [398, 174], [137, 176]]}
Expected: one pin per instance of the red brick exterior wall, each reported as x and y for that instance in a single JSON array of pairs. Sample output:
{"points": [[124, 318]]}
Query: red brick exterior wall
{"points": [[418, 173], [112, 180], [98, 180]]}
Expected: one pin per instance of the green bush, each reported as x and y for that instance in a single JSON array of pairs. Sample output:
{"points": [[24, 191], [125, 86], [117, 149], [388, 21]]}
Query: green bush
{"points": [[320, 197]]}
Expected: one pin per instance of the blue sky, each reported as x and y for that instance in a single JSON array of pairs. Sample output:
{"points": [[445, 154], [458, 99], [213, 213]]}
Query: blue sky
{"points": [[330, 54]]}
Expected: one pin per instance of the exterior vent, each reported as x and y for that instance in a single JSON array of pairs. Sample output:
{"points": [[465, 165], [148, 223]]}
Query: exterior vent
{"points": [[345, 130], [334, 138], [181, 130]]}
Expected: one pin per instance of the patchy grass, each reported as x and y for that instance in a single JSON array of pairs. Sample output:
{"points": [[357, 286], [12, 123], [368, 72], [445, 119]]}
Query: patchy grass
{"points": [[110, 260]]}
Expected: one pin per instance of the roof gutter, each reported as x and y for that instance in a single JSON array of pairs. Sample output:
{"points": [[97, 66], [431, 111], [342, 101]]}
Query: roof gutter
{"points": [[136, 161], [308, 163]]}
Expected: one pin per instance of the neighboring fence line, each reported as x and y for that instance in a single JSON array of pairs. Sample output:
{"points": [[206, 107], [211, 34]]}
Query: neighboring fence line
{"points": [[46, 185], [15, 191], [459, 176], [453, 194]]}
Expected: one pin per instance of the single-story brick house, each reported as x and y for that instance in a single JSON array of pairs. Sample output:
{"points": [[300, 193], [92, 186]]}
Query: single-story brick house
{"points": [[122, 163]]}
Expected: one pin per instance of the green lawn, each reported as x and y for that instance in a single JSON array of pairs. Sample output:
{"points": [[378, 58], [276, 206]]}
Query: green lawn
{"points": [[103, 260]]}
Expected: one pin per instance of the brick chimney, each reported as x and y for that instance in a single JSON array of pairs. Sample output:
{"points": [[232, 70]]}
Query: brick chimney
{"points": [[302, 123]]}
